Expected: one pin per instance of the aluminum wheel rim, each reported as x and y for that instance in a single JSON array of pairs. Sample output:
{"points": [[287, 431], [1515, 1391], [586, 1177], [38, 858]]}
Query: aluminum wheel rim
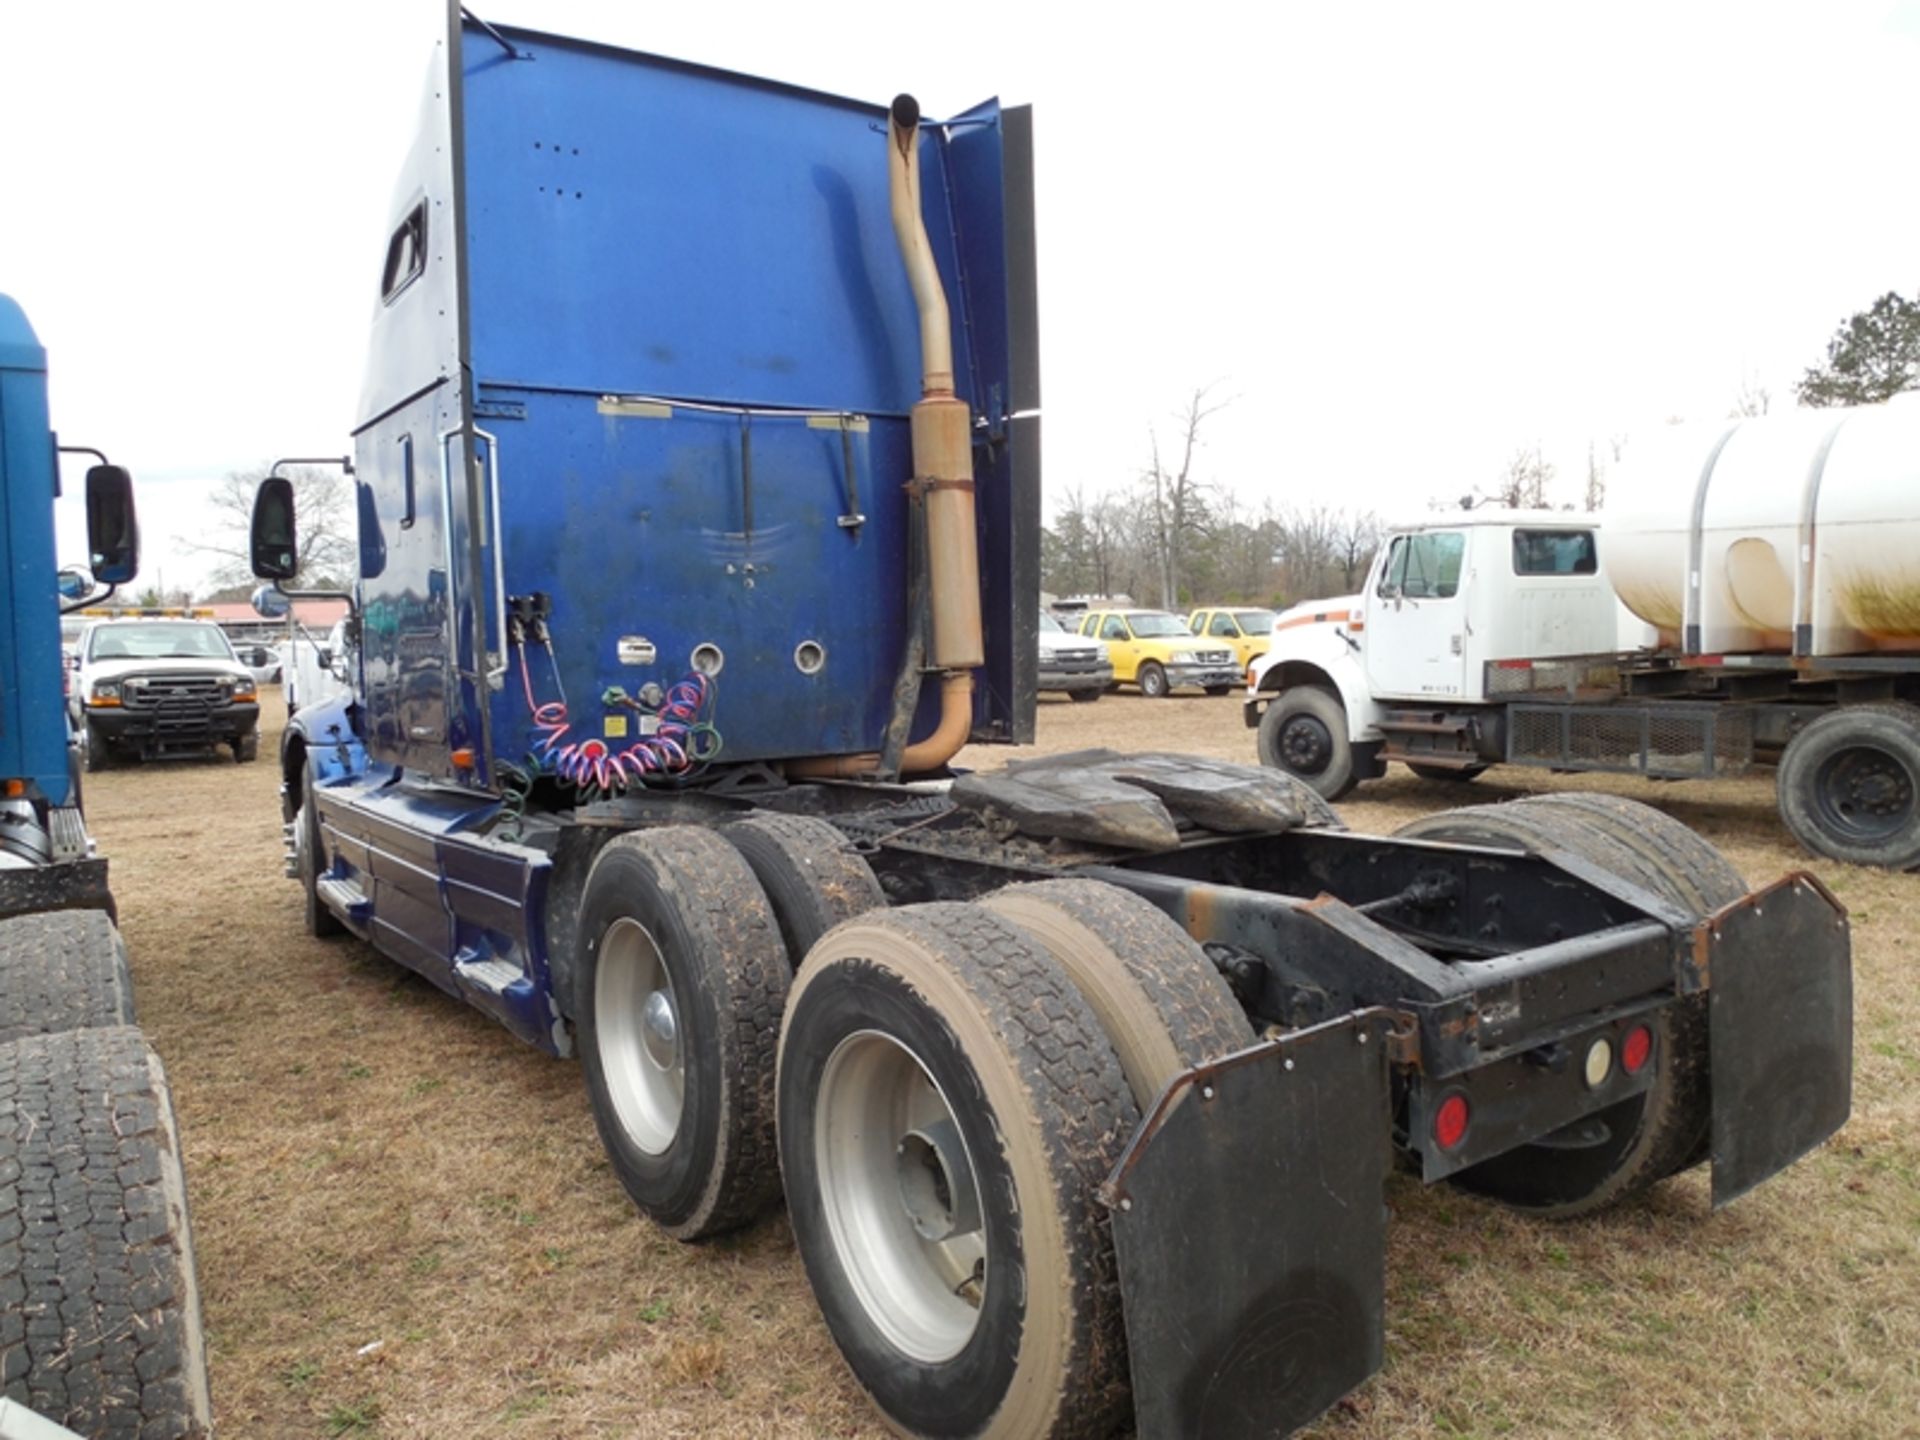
{"points": [[637, 1021], [875, 1103]]}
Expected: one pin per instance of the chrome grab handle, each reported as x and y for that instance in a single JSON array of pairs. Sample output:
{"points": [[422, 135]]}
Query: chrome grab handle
{"points": [[496, 674]]}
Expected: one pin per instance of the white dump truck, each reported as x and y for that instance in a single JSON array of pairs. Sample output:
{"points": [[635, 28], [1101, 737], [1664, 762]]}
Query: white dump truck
{"points": [[1752, 599]]}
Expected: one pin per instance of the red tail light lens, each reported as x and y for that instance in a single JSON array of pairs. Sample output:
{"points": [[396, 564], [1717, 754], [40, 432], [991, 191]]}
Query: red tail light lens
{"points": [[1636, 1050], [1450, 1122]]}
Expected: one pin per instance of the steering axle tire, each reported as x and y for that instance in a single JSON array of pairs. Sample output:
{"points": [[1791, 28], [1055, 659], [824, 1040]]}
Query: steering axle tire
{"points": [[1304, 732]]}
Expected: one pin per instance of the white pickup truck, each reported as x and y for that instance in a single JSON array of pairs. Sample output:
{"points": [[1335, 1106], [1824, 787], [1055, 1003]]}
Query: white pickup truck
{"points": [[153, 687], [318, 669]]}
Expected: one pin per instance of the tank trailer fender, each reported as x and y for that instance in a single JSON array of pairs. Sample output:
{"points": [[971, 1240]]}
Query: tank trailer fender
{"points": [[1321, 644]]}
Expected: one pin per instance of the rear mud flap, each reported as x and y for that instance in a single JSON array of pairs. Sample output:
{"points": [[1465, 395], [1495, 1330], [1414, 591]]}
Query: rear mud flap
{"points": [[1249, 1217], [1780, 1005]]}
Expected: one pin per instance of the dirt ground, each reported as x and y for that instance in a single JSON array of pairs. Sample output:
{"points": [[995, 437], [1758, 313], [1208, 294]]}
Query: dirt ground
{"points": [[405, 1226]]}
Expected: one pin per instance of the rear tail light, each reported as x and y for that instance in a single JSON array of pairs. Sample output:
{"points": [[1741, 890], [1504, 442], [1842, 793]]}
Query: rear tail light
{"points": [[1450, 1122], [1636, 1050]]}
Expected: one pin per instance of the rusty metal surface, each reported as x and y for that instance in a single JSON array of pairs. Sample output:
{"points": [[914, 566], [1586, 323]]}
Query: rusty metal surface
{"points": [[1250, 1223], [1781, 1015]]}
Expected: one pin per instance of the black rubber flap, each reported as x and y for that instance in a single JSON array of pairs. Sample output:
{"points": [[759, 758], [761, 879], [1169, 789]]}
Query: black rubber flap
{"points": [[1251, 1231], [1780, 988], [1132, 801]]}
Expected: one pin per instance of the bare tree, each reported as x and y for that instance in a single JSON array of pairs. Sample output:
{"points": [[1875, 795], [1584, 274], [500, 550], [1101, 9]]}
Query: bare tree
{"points": [[1524, 486], [1356, 535], [1596, 495], [1751, 399], [329, 546], [1308, 552], [1176, 498]]}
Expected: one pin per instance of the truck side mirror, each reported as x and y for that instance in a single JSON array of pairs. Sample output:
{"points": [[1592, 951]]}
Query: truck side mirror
{"points": [[74, 584], [273, 547], [113, 530]]}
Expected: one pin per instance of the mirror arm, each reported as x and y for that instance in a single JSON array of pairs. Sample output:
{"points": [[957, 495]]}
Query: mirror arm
{"points": [[353, 606], [345, 462]]}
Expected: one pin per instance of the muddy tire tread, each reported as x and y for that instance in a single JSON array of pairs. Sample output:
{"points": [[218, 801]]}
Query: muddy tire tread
{"points": [[99, 1310], [63, 970], [1087, 1115], [723, 905], [810, 872], [1183, 990]]}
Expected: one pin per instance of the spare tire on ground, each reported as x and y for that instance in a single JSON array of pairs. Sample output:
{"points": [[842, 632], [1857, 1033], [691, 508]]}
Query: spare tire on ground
{"points": [[100, 1325], [62, 970]]}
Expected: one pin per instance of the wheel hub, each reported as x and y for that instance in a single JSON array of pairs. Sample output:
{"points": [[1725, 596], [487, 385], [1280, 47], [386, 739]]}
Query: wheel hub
{"points": [[637, 1025], [898, 1192], [1305, 745], [936, 1183], [660, 1030], [1867, 792]]}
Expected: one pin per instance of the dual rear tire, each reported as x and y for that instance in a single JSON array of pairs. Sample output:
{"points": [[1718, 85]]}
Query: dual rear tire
{"points": [[951, 1083], [956, 1081]]}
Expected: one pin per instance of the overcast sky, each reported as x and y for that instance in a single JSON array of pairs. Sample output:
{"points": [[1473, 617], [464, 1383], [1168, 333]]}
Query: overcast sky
{"points": [[1405, 239]]}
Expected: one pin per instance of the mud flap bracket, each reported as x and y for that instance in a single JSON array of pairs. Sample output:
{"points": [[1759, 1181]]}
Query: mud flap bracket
{"points": [[1249, 1218], [1779, 977]]}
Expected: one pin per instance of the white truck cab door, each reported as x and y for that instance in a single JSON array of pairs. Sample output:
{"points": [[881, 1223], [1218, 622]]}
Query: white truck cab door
{"points": [[1417, 618]]}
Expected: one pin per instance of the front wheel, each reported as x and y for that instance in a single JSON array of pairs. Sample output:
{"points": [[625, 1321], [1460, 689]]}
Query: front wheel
{"points": [[246, 747], [1085, 697], [680, 978], [1849, 785], [948, 1110], [99, 755], [308, 860], [1218, 690], [1153, 681], [1304, 732]]}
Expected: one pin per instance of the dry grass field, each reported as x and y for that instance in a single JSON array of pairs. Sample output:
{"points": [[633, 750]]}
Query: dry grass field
{"points": [[405, 1227]]}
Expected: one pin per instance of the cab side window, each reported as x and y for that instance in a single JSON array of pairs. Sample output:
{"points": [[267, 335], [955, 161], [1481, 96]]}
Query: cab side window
{"points": [[1554, 552], [1395, 570], [1114, 629], [406, 254], [1222, 624], [1425, 566]]}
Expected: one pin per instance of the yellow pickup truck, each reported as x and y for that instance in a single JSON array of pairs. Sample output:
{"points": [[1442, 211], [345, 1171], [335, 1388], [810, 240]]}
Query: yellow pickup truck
{"points": [[1156, 651], [1247, 628]]}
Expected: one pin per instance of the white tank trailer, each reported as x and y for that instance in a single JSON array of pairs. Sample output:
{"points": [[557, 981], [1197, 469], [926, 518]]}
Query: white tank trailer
{"points": [[1795, 534], [1775, 563]]}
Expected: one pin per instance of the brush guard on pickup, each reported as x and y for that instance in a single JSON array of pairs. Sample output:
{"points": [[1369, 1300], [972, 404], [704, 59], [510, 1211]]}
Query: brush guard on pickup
{"points": [[1249, 1212]]}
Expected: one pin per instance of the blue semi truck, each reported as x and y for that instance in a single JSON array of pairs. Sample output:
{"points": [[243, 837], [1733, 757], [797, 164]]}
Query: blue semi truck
{"points": [[100, 1321], [698, 480]]}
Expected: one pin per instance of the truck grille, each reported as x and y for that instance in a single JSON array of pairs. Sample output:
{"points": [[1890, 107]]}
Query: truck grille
{"points": [[177, 704], [1071, 662], [1216, 657]]}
